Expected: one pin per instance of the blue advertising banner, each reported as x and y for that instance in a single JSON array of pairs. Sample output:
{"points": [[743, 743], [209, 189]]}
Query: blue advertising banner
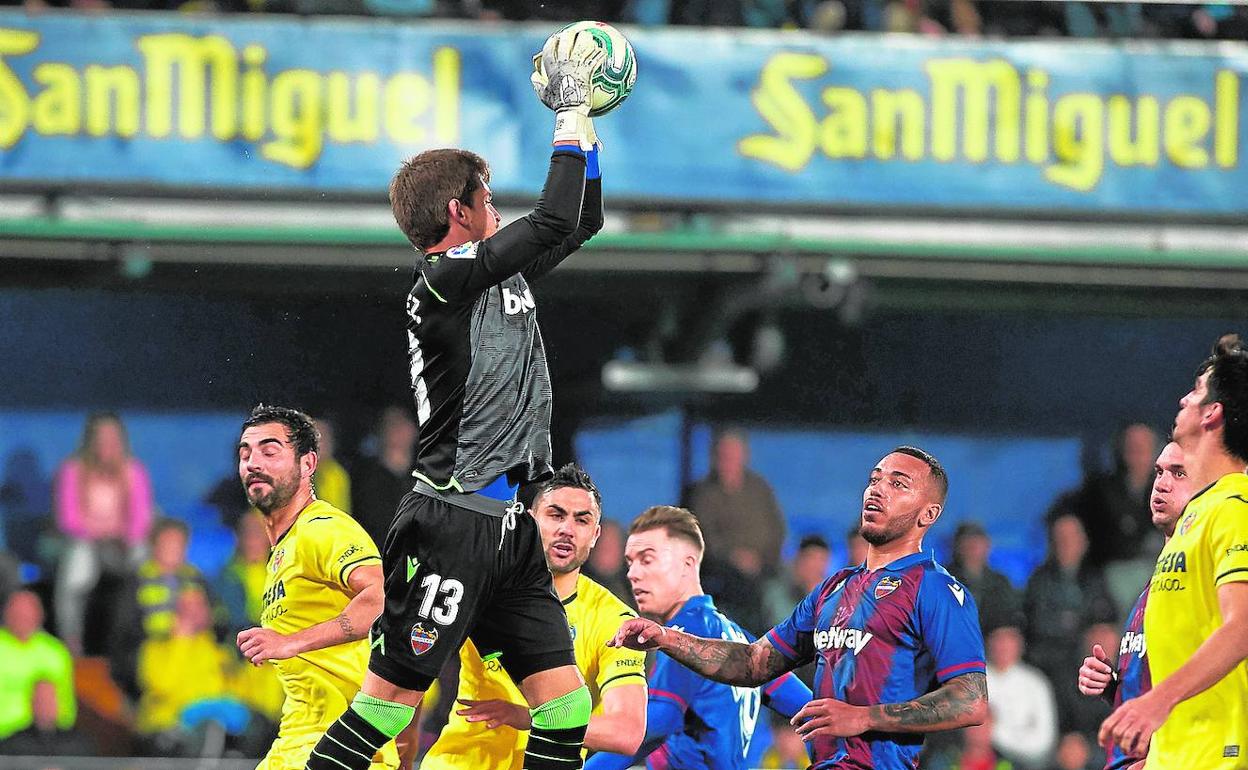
{"points": [[719, 116]]}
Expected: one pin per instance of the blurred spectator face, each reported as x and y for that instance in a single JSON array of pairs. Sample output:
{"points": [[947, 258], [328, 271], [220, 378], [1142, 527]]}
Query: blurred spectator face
{"points": [[1103, 634], [662, 570], [1073, 752], [270, 471], [810, 566], [23, 615], [104, 442], [326, 429], [608, 556], [567, 517], [253, 542], [1139, 447], [43, 705], [731, 455], [1070, 542], [1172, 488], [193, 613], [169, 548], [972, 551], [398, 431], [1005, 647], [897, 494], [856, 547], [789, 746]]}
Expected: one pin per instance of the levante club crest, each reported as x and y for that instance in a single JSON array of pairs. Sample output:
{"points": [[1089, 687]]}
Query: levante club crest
{"points": [[423, 639], [886, 586]]}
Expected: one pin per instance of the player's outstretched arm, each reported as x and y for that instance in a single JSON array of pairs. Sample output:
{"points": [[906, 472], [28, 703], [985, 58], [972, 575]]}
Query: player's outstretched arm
{"points": [[960, 702], [259, 645], [1132, 725], [734, 663], [592, 219]]}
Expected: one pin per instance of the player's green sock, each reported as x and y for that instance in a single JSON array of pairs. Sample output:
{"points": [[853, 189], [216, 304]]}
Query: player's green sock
{"points": [[558, 732], [367, 725]]}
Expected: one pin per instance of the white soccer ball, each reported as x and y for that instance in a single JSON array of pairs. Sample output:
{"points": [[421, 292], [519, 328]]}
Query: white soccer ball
{"points": [[614, 80]]}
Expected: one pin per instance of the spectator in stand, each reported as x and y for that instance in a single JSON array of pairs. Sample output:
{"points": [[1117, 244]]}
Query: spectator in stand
{"points": [[808, 569], [606, 562], [25, 504], [1064, 597], [1074, 752], [1113, 507], [28, 654], [1024, 713], [45, 737], [737, 507], [382, 481], [331, 482], [855, 546], [967, 749], [998, 600], [103, 506], [179, 669], [787, 750], [10, 576], [242, 580], [151, 598]]}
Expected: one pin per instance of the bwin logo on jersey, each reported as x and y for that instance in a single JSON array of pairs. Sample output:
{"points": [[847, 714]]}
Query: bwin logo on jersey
{"points": [[514, 303], [837, 638]]}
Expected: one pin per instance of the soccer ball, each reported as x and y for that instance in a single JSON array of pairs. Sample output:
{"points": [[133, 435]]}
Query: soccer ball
{"points": [[613, 82]]}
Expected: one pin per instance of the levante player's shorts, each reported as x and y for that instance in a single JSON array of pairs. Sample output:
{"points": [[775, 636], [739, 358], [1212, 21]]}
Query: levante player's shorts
{"points": [[465, 566]]}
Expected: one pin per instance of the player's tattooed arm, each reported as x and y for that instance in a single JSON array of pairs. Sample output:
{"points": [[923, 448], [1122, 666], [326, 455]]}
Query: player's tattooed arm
{"points": [[348, 630], [742, 665], [960, 702]]}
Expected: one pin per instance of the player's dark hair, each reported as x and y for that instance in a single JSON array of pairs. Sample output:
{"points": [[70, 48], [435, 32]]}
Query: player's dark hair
{"points": [[1228, 386], [813, 541], [938, 471], [678, 522], [426, 183], [570, 476], [300, 430]]}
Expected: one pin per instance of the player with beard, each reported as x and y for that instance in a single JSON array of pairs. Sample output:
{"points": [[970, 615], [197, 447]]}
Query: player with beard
{"points": [[895, 640], [1171, 490], [322, 592], [491, 728]]}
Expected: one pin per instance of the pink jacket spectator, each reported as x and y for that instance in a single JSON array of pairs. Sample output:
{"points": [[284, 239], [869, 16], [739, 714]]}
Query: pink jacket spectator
{"points": [[97, 512]]}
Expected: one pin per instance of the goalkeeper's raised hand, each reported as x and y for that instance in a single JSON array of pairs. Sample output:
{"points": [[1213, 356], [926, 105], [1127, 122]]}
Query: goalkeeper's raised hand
{"points": [[562, 76]]}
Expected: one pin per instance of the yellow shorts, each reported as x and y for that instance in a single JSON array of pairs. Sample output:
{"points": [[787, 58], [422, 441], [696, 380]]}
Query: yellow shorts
{"points": [[293, 755]]}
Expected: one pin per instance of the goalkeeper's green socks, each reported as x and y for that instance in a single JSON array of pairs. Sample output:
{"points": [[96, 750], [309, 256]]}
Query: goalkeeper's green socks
{"points": [[367, 725], [558, 732]]}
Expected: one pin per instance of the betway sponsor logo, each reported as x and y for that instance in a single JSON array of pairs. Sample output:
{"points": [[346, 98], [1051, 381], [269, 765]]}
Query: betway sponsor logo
{"points": [[837, 638], [1133, 644]]}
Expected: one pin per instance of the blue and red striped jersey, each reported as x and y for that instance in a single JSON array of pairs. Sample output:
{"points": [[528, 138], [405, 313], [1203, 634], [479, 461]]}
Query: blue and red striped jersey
{"points": [[1133, 676], [887, 636]]}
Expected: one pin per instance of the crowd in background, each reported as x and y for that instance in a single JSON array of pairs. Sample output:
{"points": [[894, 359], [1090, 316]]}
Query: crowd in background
{"points": [[973, 18], [116, 644]]}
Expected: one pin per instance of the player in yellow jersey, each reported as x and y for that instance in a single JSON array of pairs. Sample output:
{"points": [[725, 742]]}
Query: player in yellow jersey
{"points": [[489, 730], [1196, 622], [322, 590]]}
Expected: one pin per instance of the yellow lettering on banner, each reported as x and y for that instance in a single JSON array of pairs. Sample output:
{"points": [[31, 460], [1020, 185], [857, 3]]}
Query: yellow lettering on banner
{"points": [[1078, 124], [407, 98], [345, 123], [207, 66], [446, 68], [1036, 117], [1187, 122], [845, 129], [255, 91], [14, 101], [887, 109], [1226, 121], [297, 119], [1145, 149], [112, 101], [786, 112], [974, 81], [57, 109]]}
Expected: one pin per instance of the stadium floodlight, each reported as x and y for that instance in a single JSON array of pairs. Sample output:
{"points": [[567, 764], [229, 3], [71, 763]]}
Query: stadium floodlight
{"points": [[642, 377]]}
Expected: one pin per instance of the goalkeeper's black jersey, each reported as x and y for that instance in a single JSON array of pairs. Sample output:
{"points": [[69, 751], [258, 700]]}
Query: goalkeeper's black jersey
{"points": [[478, 366]]}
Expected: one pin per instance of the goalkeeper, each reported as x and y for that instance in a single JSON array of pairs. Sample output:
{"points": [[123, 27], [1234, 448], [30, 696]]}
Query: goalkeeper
{"points": [[459, 562]]}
